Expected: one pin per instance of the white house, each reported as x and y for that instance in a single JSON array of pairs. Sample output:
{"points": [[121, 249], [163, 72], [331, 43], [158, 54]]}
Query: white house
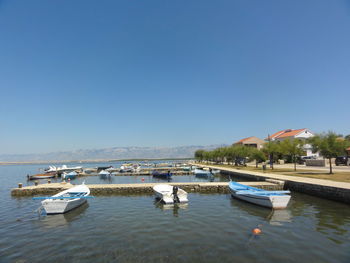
{"points": [[294, 134]]}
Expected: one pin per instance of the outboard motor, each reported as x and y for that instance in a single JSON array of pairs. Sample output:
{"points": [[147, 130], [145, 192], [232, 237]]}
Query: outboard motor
{"points": [[175, 196]]}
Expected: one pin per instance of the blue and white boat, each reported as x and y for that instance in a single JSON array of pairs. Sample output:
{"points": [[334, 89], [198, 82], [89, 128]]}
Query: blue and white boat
{"points": [[71, 175], [66, 200], [271, 199]]}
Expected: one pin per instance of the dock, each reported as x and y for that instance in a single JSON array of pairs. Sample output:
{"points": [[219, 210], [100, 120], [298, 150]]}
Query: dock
{"points": [[143, 188]]}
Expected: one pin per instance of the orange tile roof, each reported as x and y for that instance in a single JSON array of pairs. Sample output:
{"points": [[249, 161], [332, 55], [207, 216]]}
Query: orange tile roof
{"points": [[290, 133], [275, 134], [243, 140]]}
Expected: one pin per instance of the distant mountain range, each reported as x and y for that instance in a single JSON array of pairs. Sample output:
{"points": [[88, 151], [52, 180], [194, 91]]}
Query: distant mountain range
{"points": [[109, 154]]}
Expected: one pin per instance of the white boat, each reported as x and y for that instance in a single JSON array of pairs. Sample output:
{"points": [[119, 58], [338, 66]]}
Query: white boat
{"points": [[64, 168], [170, 194], [104, 174], [71, 175], [65, 200], [51, 169], [202, 173], [271, 199]]}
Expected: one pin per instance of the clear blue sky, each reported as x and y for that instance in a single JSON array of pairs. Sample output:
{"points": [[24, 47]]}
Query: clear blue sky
{"points": [[91, 74]]}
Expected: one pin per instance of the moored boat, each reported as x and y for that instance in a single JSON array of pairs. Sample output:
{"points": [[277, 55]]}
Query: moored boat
{"points": [[65, 200], [71, 175], [170, 194], [271, 199], [64, 168], [202, 173], [104, 174], [162, 174], [41, 176]]}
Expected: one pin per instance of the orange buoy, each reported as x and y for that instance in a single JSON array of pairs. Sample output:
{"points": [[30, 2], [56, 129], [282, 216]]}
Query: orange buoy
{"points": [[256, 231], [142, 179]]}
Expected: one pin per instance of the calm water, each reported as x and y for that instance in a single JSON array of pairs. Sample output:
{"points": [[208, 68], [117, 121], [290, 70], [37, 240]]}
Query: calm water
{"points": [[211, 228]]}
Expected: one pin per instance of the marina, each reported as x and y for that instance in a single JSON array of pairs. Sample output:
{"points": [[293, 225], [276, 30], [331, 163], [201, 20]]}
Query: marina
{"points": [[143, 229]]}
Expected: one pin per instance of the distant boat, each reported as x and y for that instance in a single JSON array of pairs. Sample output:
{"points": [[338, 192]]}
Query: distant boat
{"points": [[130, 168], [162, 174], [71, 175], [64, 168], [170, 194], [41, 176], [65, 200], [202, 173], [215, 171], [104, 174], [271, 199], [101, 168], [51, 169]]}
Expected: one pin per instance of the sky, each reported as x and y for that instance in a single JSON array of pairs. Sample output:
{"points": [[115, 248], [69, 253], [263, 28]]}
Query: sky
{"points": [[93, 74]]}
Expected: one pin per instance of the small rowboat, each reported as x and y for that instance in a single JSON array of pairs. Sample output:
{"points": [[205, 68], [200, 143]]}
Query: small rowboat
{"points": [[271, 199], [170, 194], [41, 176], [66, 200]]}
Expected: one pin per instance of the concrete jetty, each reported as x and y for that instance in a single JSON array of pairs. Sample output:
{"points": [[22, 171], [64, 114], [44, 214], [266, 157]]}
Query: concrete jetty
{"points": [[337, 191], [143, 188]]}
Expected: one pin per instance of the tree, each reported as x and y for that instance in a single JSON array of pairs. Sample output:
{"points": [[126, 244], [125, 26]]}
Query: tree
{"points": [[199, 155], [294, 148], [329, 145], [258, 156], [272, 149], [239, 153]]}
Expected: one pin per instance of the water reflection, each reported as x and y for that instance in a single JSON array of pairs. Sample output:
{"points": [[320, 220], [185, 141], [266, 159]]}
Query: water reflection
{"points": [[59, 220], [331, 217], [174, 207], [273, 217]]}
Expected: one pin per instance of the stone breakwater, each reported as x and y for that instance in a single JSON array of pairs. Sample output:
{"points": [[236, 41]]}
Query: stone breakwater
{"points": [[129, 189]]}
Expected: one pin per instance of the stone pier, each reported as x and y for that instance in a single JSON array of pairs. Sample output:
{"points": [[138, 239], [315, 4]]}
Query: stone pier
{"points": [[144, 188]]}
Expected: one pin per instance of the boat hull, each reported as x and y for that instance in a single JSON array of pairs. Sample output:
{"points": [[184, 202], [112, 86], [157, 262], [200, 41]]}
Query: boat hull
{"points": [[65, 201], [270, 199], [62, 206], [275, 202], [35, 177]]}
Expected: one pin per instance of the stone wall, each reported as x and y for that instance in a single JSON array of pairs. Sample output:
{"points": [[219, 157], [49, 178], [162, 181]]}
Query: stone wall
{"points": [[332, 193], [315, 163]]}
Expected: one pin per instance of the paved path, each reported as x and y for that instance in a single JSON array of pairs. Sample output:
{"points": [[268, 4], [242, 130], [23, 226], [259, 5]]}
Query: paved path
{"points": [[303, 167]]}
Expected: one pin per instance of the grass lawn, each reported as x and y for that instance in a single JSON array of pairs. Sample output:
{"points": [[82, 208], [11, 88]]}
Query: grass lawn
{"points": [[336, 176]]}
